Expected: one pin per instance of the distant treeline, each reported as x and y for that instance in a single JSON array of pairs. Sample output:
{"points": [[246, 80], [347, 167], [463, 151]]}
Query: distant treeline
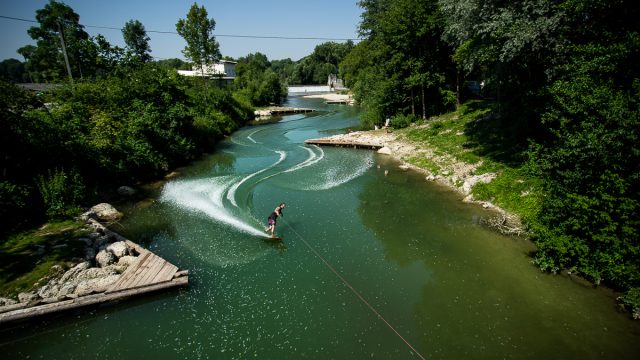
{"points": [[565, 78]]}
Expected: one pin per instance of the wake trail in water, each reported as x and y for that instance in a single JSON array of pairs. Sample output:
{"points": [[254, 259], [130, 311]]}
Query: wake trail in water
{"points": [[250, 136], [341, 174], [206, 196], [312, 159], [231, 193]]}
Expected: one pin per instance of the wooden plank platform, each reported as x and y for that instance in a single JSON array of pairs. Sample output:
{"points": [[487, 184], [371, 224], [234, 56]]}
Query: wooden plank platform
{"points": [[278, 110], [344, 143], [148, 273]]}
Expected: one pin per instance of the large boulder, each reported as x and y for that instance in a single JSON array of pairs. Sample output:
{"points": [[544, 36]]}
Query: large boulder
{"points": [[127, 260], [66, 289], [74, 271], [96, 285], [105, 258], [118, 248], [25, 297], [106, 212], [48, 291], [384, 150]]}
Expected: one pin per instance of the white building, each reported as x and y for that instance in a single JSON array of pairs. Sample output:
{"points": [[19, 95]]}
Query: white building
{"points": [[224, 70]]}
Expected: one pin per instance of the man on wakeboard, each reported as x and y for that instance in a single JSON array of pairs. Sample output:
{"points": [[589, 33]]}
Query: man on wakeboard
{"points": [[272, 219]]}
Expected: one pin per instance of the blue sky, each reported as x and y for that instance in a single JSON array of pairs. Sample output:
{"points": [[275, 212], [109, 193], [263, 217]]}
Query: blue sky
{"points": [[289, 18]]}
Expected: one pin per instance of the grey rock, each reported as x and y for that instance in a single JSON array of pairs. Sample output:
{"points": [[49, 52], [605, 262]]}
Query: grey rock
{"points": [[25, 297], [106, 212], [66, 289], [127, 260], [6, 301], [384, 150], [118, 248], [74, 271], [105, 258], [96, 285]]}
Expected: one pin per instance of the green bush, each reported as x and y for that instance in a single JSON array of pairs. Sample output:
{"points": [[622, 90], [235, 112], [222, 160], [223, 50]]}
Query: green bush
{"points": [[401, 121], [61, 192]]}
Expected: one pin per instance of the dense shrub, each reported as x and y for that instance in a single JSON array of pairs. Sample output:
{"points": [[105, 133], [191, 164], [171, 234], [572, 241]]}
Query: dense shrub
{"points": [[119, 128], [401, 121], [62, 192]]}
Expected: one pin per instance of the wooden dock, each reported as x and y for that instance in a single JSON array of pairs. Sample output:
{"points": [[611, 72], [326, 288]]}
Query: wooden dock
{"points": [[279, 110], [148, 273], [344, 143]]}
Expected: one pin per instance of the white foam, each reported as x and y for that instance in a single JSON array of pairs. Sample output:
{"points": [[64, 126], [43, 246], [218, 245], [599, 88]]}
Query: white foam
{"points": [[231, 194], [312, 159], [336, 176], [250, 138], [205, 196]]}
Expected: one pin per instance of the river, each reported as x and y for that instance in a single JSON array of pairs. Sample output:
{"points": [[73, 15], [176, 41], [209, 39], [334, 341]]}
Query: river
{"points": [[371, 265]]}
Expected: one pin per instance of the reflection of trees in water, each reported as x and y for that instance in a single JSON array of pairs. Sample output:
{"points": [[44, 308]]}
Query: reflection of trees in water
{"points": [[412, 221], [146, 224]]}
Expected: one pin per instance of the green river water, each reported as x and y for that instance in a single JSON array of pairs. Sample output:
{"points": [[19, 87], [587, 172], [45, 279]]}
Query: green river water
{"points": [[370, 266]]}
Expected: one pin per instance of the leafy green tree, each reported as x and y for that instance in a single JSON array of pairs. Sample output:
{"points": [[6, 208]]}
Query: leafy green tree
{"points": [[511, 47], [402, 65], [175, 63], [45, 61], [284, 68], [13, 70], [590, 162], [257, 82], [108, 57], [325, 59], [137, 40], [197, 30]]}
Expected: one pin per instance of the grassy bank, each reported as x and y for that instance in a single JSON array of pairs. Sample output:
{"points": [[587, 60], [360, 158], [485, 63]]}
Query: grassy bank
{"points": [[28, 259], [458, 150]]}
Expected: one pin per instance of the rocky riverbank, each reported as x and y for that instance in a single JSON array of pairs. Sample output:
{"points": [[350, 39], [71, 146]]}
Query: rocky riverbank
{"points": [[456, 175], [106, 256]]}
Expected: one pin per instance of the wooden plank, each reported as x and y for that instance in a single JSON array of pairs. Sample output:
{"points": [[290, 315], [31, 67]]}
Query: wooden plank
{"points": [[149, 272], [130, 272], [133, 272], [142, 270], [166, 273], [332, 142], [87, 300], [152, 272]]}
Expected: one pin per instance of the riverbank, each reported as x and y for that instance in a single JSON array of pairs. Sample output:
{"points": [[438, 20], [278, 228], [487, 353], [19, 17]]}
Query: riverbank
{"points": [[84, 263], [439, 148]]}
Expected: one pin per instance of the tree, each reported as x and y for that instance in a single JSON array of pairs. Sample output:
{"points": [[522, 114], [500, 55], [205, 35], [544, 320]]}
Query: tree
{"points": [[108, 56], [137, 41], [257, 82], [197, 30], [402, 65], [13, 70], [46, 61], [325, 59]]}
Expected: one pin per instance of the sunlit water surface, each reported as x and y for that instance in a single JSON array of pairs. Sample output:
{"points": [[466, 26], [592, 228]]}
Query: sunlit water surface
{"points": [[371, 265]]}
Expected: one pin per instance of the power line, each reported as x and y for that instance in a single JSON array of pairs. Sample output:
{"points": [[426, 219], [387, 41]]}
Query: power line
{"points": [[217, 35]]}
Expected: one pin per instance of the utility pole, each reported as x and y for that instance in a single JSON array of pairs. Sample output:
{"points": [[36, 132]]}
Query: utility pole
{"points": [[64, 52]]}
